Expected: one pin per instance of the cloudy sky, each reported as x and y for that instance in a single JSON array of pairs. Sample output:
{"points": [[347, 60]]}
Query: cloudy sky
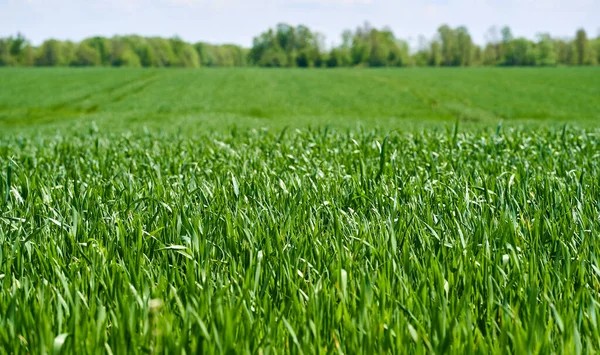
{"points": [[237, 21]]}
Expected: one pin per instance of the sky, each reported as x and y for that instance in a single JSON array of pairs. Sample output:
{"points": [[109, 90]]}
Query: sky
{"points": [[238, 21]]}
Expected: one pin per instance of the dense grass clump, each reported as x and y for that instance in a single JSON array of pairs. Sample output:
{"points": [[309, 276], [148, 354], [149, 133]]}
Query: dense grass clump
{"points": [[301, 241]]}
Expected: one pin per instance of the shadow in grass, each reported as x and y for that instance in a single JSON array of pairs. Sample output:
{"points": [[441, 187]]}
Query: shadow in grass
{"points": [[257, 113]]}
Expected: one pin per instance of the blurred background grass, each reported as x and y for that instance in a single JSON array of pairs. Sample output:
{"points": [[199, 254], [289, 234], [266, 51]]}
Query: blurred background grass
{"points": [[215, 99]]}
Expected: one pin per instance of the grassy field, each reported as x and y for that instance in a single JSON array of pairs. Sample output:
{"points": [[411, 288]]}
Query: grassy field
{"points": [[395, 214], [254, 98]]}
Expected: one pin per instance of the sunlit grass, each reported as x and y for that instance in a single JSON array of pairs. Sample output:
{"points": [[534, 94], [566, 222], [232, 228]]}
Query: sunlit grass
{"points": [[205, 99], [302, 241]]}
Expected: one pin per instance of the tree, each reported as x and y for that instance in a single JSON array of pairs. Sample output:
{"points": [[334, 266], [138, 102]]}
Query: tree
{"points": [[399, 54], [436, 54], [490, 54], [146, 54], [493, 52], [236, 54], [184, 54], [303, 59], [562, 51], [448, 45], [375, 48], [205, 54], [15, 51], [287, 46], [273, 57], [379, 48], [163, 52], [520, 52], [17, 45], [5, 57], [546, 51], [456, 46], [102, 46], [50, 54], [335, 58], [285, 36], [27, 56], [476, 55], [595, 49], [264, 49], [122, 54], [573, 54], [507, 37], [85, 55], [465, 47], [582, 48], [68, 50]]}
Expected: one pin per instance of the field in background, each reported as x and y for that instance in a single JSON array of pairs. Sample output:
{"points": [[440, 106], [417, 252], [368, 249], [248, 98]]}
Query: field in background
{"points": [[396, 215], [216, 99]]}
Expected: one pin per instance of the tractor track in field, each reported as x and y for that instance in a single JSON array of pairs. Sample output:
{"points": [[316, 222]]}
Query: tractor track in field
{"points": [[144, 80], [458, 109], [78, 107]]}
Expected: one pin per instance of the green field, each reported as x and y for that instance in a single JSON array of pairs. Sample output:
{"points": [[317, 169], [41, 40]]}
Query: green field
{"points": [[255, 98], [300, 211]]}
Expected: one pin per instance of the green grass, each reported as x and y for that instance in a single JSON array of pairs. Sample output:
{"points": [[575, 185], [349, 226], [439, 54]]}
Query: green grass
{"points": [[135, 219], [258, 98]]}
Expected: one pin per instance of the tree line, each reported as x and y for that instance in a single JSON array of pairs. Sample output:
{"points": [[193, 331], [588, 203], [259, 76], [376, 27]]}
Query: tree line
{"points": [[289, 46], [126, 51]]}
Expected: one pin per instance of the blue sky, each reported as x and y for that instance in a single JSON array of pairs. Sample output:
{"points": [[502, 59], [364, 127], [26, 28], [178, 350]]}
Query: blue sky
{"points": [[237, 21]]}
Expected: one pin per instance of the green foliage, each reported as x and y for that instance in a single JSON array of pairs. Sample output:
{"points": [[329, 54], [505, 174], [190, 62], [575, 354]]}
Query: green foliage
{"points": [[146, 54], [51, 54], [375, 48], [456, 46], [15, 51], [596, 51], [230, 55], [338, 57], [5, 56], [122, 53], [185, 54], [227, 55], [162, 52], [288, 46], [85, 55], [102, 46], [490, 54], [206, 54], [520, 52], [546, 51], [581, 47]]}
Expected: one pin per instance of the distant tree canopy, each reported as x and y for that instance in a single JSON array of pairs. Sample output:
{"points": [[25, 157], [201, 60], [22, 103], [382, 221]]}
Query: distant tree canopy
{"points": [[289, 46], [375, 48], [120, 51]]}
